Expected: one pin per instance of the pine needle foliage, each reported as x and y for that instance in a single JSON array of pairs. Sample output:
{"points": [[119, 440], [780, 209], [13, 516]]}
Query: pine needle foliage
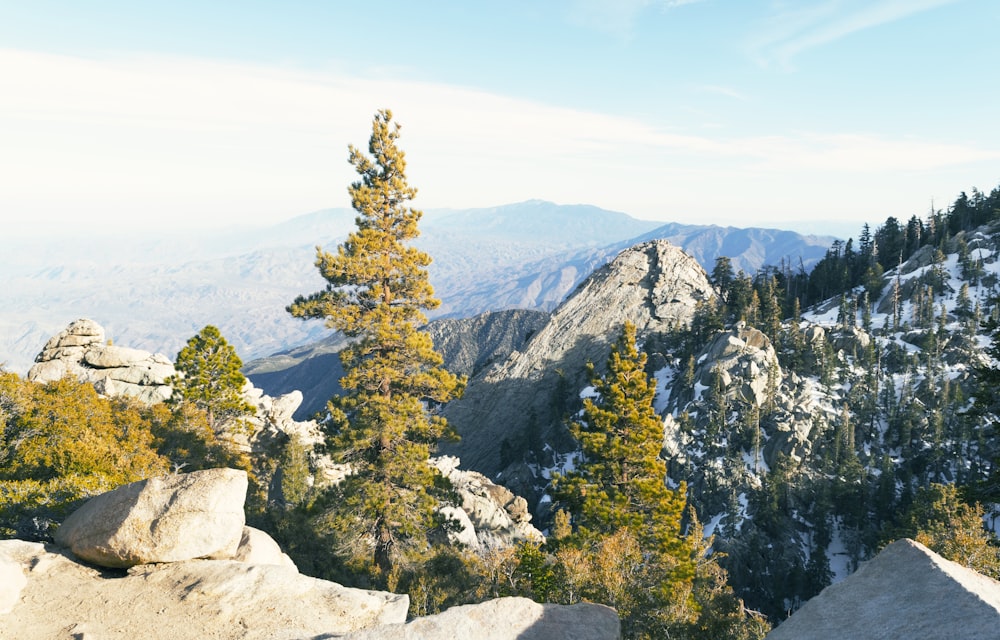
{"points": [[209, 377], [622, 480], [383, 426], [627, 521]]}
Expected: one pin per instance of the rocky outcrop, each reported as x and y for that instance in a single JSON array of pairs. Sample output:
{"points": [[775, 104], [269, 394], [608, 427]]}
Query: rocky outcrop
{"points": [[517, 406], [906, 591], [163, 519], [745, 361], [222, 599], [229, 600], [253, 591], [490, 516], [506, 619], [471, 345], [82, 351]]}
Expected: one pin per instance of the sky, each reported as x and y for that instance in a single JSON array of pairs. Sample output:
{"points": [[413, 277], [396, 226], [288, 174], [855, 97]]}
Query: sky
{"points": [[812, 115]]}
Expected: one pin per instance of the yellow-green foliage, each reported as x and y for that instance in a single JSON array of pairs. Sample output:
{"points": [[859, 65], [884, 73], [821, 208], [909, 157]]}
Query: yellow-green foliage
{"points": [[61, 442], [209, 377], [943, 522]]}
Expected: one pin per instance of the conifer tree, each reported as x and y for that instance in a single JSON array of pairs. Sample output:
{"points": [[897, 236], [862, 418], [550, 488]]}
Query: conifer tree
{"points": [[209, 377], [620, 486], [383, 426]]}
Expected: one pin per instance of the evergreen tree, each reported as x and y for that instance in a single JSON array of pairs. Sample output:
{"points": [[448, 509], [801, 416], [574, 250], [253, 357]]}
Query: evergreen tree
{"points": [[941, 520], [723, 276], [618, 492], [384, 426], [209, 377]]}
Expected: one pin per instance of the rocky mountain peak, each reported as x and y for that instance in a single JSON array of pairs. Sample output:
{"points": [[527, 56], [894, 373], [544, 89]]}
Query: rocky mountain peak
{"points": [[654, 285]]}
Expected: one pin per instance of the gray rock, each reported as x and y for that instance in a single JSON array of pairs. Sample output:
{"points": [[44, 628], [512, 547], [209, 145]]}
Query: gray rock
{"points": [[195, 599], [256, 547], [109, 357], [80, 351], [15, 555], [506, 619], [654, 285], [743, 356], [907, 591], [163, 519], [498, 519]]}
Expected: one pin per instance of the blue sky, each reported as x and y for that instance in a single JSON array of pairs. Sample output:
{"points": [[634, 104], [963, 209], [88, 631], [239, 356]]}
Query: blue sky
{"points": [[816, 115]]}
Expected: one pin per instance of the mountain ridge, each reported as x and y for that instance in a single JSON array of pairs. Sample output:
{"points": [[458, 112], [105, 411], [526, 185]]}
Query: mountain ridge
{"points": [[157, 292]]}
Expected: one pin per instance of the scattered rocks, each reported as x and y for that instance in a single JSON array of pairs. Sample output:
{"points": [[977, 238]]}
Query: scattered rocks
{"points": [[163, 519]]}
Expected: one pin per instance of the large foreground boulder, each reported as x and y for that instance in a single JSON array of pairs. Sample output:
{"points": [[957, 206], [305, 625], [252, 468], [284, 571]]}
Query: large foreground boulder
{"points": [[163, 519], [907, 591], [506, 619], [219, 599]]}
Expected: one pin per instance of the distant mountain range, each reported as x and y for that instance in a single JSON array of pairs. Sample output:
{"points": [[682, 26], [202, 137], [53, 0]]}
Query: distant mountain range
{"points": [[154, 292]]}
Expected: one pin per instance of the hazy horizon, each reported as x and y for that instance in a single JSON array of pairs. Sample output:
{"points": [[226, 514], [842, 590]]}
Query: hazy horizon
{"points": [[186, 115]]}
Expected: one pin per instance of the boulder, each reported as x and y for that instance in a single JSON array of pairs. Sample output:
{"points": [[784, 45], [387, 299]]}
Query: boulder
{"points": [[163, 519], [14, 554], [497, 518], [256, 547], [906, 591], [195, 599], [506, 619], [80, 350]]}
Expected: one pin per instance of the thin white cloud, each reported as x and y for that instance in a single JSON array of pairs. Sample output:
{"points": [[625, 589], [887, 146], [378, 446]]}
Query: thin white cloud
{"points": [[789, 32], [854, 153], [617, 17], [157, 142]]}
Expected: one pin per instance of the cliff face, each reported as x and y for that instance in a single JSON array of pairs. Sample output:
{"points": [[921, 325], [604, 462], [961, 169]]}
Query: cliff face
{"points": [[517, 406], [468, 345]]}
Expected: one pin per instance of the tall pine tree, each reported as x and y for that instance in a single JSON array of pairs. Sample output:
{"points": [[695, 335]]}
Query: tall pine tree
{"points": [[384, 425], [620, 486]]}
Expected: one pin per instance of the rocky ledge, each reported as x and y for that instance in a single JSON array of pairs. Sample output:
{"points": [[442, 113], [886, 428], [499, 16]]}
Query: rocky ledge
{"points": [[170, 557]]}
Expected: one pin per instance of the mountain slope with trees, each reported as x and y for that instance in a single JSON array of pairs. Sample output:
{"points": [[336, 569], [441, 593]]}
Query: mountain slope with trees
{"points": [[812, 419]]}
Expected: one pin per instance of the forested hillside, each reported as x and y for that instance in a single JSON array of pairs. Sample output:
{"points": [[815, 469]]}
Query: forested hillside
{"points": [[812, 416], [816, 417]]}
